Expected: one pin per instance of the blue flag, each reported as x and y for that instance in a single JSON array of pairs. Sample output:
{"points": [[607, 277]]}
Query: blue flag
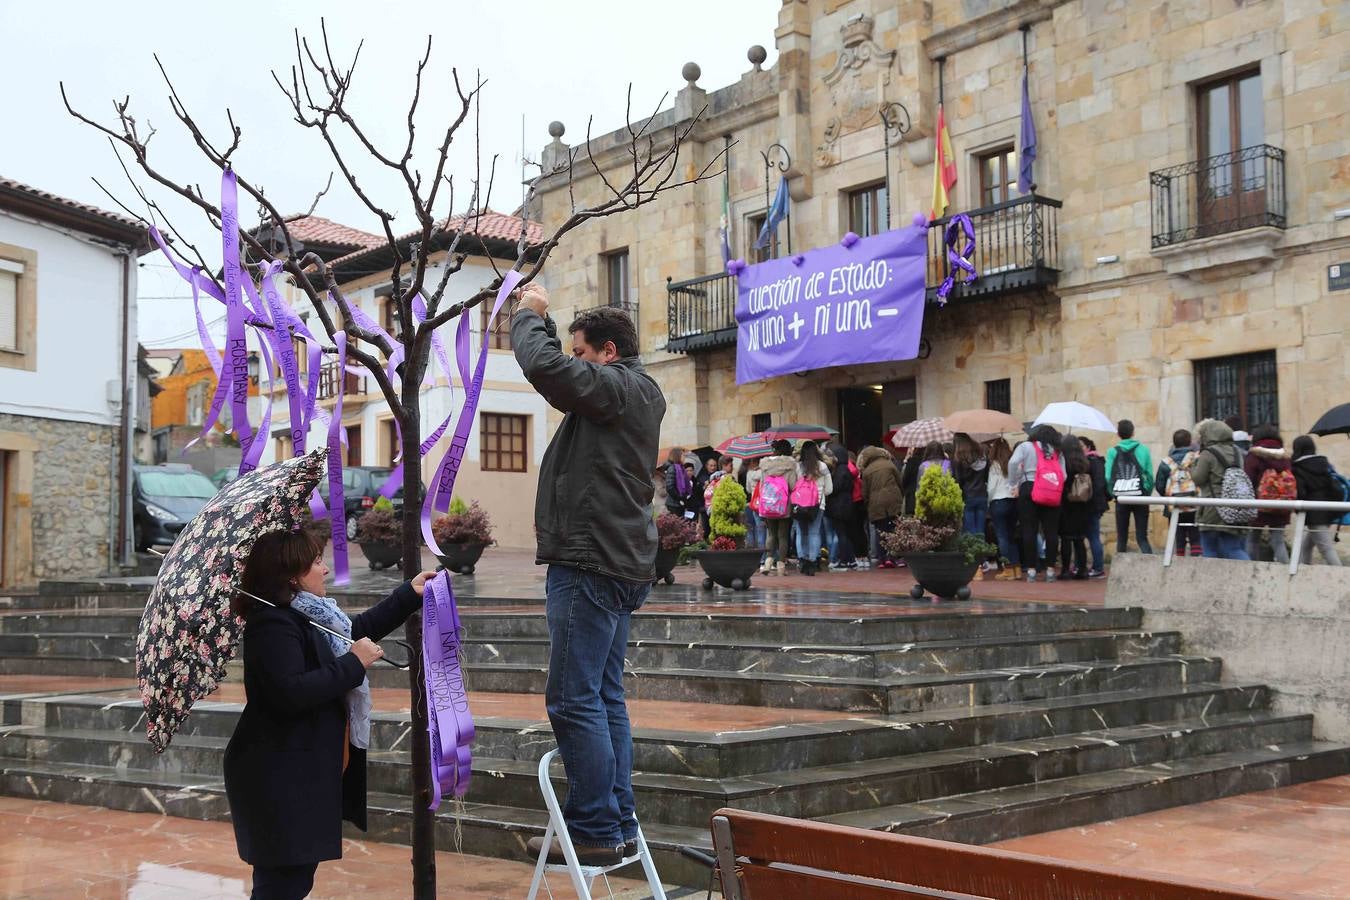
{"points": [[1026, 149], [778, 211]]}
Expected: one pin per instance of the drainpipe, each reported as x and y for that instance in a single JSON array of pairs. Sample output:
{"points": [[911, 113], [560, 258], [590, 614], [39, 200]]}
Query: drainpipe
{"points": [[120, 551]]}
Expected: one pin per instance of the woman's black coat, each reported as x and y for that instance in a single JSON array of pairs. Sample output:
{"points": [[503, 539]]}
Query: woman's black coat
{"points": [[283, 766]]}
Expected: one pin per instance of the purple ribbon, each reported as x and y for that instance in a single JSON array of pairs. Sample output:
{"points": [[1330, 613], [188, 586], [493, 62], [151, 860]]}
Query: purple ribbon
{"points": [[236, 341], [959, 224], [449, 722], [441, 486], [336, 505]]}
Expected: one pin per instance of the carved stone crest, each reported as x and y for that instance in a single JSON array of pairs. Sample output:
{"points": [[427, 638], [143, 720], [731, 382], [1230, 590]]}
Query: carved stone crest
{"points": [[856, 83]]}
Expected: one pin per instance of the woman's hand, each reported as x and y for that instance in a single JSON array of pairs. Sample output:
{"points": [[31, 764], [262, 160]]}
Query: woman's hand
{"points": [[367, 651], [419, 584]]}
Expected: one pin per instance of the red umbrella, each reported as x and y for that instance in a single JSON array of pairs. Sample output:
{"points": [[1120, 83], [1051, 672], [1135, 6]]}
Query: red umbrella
{"points": [[756, 443]]}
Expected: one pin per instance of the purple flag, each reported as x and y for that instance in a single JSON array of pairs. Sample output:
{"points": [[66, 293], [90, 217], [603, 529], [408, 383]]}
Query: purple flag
{"points": [[1026, 142], [858, 301]]}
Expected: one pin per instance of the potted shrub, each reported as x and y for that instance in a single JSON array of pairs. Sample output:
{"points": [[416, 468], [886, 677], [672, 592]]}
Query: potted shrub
{"points": [[727, 561], [673, 533], [942, 558], [463, 534], [380, 535]]}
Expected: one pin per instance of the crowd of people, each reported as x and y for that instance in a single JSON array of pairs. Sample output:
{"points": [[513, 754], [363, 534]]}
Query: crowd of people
{"points": [[1040, 501]]}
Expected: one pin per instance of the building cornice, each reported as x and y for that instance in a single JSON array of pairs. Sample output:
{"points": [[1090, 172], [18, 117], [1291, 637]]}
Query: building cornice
{"points": [[989, 26]]}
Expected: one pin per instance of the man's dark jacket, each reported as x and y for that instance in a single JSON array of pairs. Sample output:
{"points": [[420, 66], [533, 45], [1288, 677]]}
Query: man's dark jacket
{"points": [[593, 509]]}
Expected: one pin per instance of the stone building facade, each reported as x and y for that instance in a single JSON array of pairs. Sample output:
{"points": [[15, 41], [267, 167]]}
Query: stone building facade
{"points": [[1175, 259]]}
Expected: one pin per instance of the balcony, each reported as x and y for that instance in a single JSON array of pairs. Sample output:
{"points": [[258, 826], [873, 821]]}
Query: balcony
{"points": [[1016, 249], [1222, 194], [330, 379]]}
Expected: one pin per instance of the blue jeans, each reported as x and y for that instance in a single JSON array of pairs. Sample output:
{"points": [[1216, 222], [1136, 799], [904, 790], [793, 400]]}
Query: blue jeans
{"points": [[1094, 539], [1005, 529], [810, 538], [972, 520], [588, 634], [1223, 545]]}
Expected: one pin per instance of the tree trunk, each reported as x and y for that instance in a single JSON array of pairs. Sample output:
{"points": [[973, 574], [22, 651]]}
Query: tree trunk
{"points": [[423, 820]]}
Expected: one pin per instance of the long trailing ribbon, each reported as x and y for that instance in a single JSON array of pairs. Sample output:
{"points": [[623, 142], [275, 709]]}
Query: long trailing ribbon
{"points": [[236, 341], [960, 224], [336, 505], [448, 719]]}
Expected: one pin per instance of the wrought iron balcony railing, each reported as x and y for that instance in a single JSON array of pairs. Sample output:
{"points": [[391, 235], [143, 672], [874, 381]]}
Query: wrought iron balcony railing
{"points": [[1221, 194], [1016, 248]]}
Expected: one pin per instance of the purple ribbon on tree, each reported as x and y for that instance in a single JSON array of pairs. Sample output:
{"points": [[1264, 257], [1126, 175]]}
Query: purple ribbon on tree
{"points": [[959, 225], [336, 503]]}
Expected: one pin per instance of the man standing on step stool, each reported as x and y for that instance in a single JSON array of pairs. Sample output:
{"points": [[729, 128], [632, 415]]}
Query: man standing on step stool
{"points": [[595, 533]]}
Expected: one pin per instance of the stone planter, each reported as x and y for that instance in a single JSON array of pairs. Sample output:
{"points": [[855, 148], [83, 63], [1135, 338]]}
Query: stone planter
{"points": [[665, 565], [945, 575], [460, 558], [729, 568], [381, 555]]}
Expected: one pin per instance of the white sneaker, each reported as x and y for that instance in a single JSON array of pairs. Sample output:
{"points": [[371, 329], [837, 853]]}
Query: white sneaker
{"points": [[864, 565]]}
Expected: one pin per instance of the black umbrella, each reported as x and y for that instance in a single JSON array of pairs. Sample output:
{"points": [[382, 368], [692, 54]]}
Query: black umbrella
{"points": [[1334, 421]]}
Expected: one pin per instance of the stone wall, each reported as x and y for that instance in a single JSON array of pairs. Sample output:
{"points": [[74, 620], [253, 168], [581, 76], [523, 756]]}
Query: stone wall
{"points": [[73, 492], [1288, 632]]}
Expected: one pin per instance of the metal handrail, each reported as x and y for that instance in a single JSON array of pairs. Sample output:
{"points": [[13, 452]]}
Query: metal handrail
{"points": [[1300, 509]]}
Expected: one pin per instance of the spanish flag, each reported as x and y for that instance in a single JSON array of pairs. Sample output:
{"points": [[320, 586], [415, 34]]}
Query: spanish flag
{"points": [[944, 169]]}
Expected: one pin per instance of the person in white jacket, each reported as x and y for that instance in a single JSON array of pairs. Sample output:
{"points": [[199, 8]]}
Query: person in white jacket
{"points": [[811, 471]]}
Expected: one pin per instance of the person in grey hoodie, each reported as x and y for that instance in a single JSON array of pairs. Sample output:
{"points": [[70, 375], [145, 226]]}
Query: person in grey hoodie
{"points": [[595, 535], [779, 531], [1217, 455]]}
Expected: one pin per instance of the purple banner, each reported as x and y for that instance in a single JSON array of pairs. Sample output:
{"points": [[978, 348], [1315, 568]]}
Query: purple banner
{"points": [[859, 301]]}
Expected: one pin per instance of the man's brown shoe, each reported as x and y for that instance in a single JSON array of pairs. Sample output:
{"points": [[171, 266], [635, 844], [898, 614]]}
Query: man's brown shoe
{"points": [[587, 856]]}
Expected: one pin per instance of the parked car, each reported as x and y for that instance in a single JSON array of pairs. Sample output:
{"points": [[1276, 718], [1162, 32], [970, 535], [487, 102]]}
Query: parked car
{"points": [[360, 489], [224, 476], [164, 500]]}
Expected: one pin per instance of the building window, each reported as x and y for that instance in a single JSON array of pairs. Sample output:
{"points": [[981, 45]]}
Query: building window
{"points": [[390, 440], [867, 210], [614, 265], [496, 333], [998, 395], [1243, 386], [18, 307], [285, 447], [353, 445], [753, 226], [902, 399], [504, 442], [196, 403], [998, 175], [1230, 117], [389, 316], [761, 421]]}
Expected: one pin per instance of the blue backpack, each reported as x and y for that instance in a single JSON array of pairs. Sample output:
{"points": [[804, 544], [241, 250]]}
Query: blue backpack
{"points": [[1343, 483]]}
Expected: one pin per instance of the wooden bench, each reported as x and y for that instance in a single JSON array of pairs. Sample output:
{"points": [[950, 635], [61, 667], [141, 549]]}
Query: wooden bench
{"points": [[764, 857]]}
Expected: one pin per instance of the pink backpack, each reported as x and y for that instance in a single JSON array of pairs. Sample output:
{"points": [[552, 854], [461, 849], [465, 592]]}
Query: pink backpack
{"points": [[1048, 488], [773, 497], [806, 493]]}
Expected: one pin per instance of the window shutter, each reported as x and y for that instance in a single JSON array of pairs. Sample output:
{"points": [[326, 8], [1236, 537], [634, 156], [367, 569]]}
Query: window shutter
{"points": [[9, 310]]}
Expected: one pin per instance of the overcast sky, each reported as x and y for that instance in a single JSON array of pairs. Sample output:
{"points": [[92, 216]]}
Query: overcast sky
{"points": [[542, 59]]}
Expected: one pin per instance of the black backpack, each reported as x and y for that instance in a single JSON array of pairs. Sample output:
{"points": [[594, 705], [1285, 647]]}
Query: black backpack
{"points": [[1127, 478]]}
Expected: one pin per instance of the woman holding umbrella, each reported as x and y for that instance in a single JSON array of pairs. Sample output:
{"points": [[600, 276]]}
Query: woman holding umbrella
{"points": [[296, 764]]}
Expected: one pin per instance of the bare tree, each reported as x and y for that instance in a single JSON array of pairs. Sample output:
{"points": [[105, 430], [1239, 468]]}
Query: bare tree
{"points": [[317, 89]]}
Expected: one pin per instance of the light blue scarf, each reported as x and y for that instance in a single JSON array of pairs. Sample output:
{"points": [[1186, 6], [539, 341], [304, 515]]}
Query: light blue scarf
{"points": [[325, 611]]}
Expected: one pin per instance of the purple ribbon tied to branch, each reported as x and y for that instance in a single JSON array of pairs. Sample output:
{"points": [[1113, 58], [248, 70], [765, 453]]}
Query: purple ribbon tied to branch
{"points": [[959, 225]]}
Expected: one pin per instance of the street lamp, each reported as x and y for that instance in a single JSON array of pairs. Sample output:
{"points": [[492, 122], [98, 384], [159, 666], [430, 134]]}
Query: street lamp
{"points": [[894, 120], [782, 163]]}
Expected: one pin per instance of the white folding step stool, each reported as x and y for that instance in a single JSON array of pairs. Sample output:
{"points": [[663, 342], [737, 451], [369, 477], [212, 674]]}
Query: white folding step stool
{"points": [[583, 877]]}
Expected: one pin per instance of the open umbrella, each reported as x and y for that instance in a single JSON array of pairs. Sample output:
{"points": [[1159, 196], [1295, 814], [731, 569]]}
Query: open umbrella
{"points": [[1334, 421], [921, 433], [1071, 414], [982, 422], [187, 634], [795, 432], [746, 446]]}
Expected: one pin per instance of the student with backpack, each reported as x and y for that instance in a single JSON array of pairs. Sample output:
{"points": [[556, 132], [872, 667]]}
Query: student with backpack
{"points": [[839, 508], [1175, 479], [777, 479], [1100, 503], [1218, 473], [881, 493], [1267, 465], [1080, 499], [1129, 473], [971, 471], [808, 506], [1317, 480], [1037, 473]]}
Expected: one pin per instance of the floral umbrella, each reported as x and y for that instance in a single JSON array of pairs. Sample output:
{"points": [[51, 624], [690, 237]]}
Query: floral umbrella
{"points": [[187, 633]]}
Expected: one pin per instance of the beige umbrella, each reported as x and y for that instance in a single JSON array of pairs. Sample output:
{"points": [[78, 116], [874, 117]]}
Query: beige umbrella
{"points": [[982, 421]]}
